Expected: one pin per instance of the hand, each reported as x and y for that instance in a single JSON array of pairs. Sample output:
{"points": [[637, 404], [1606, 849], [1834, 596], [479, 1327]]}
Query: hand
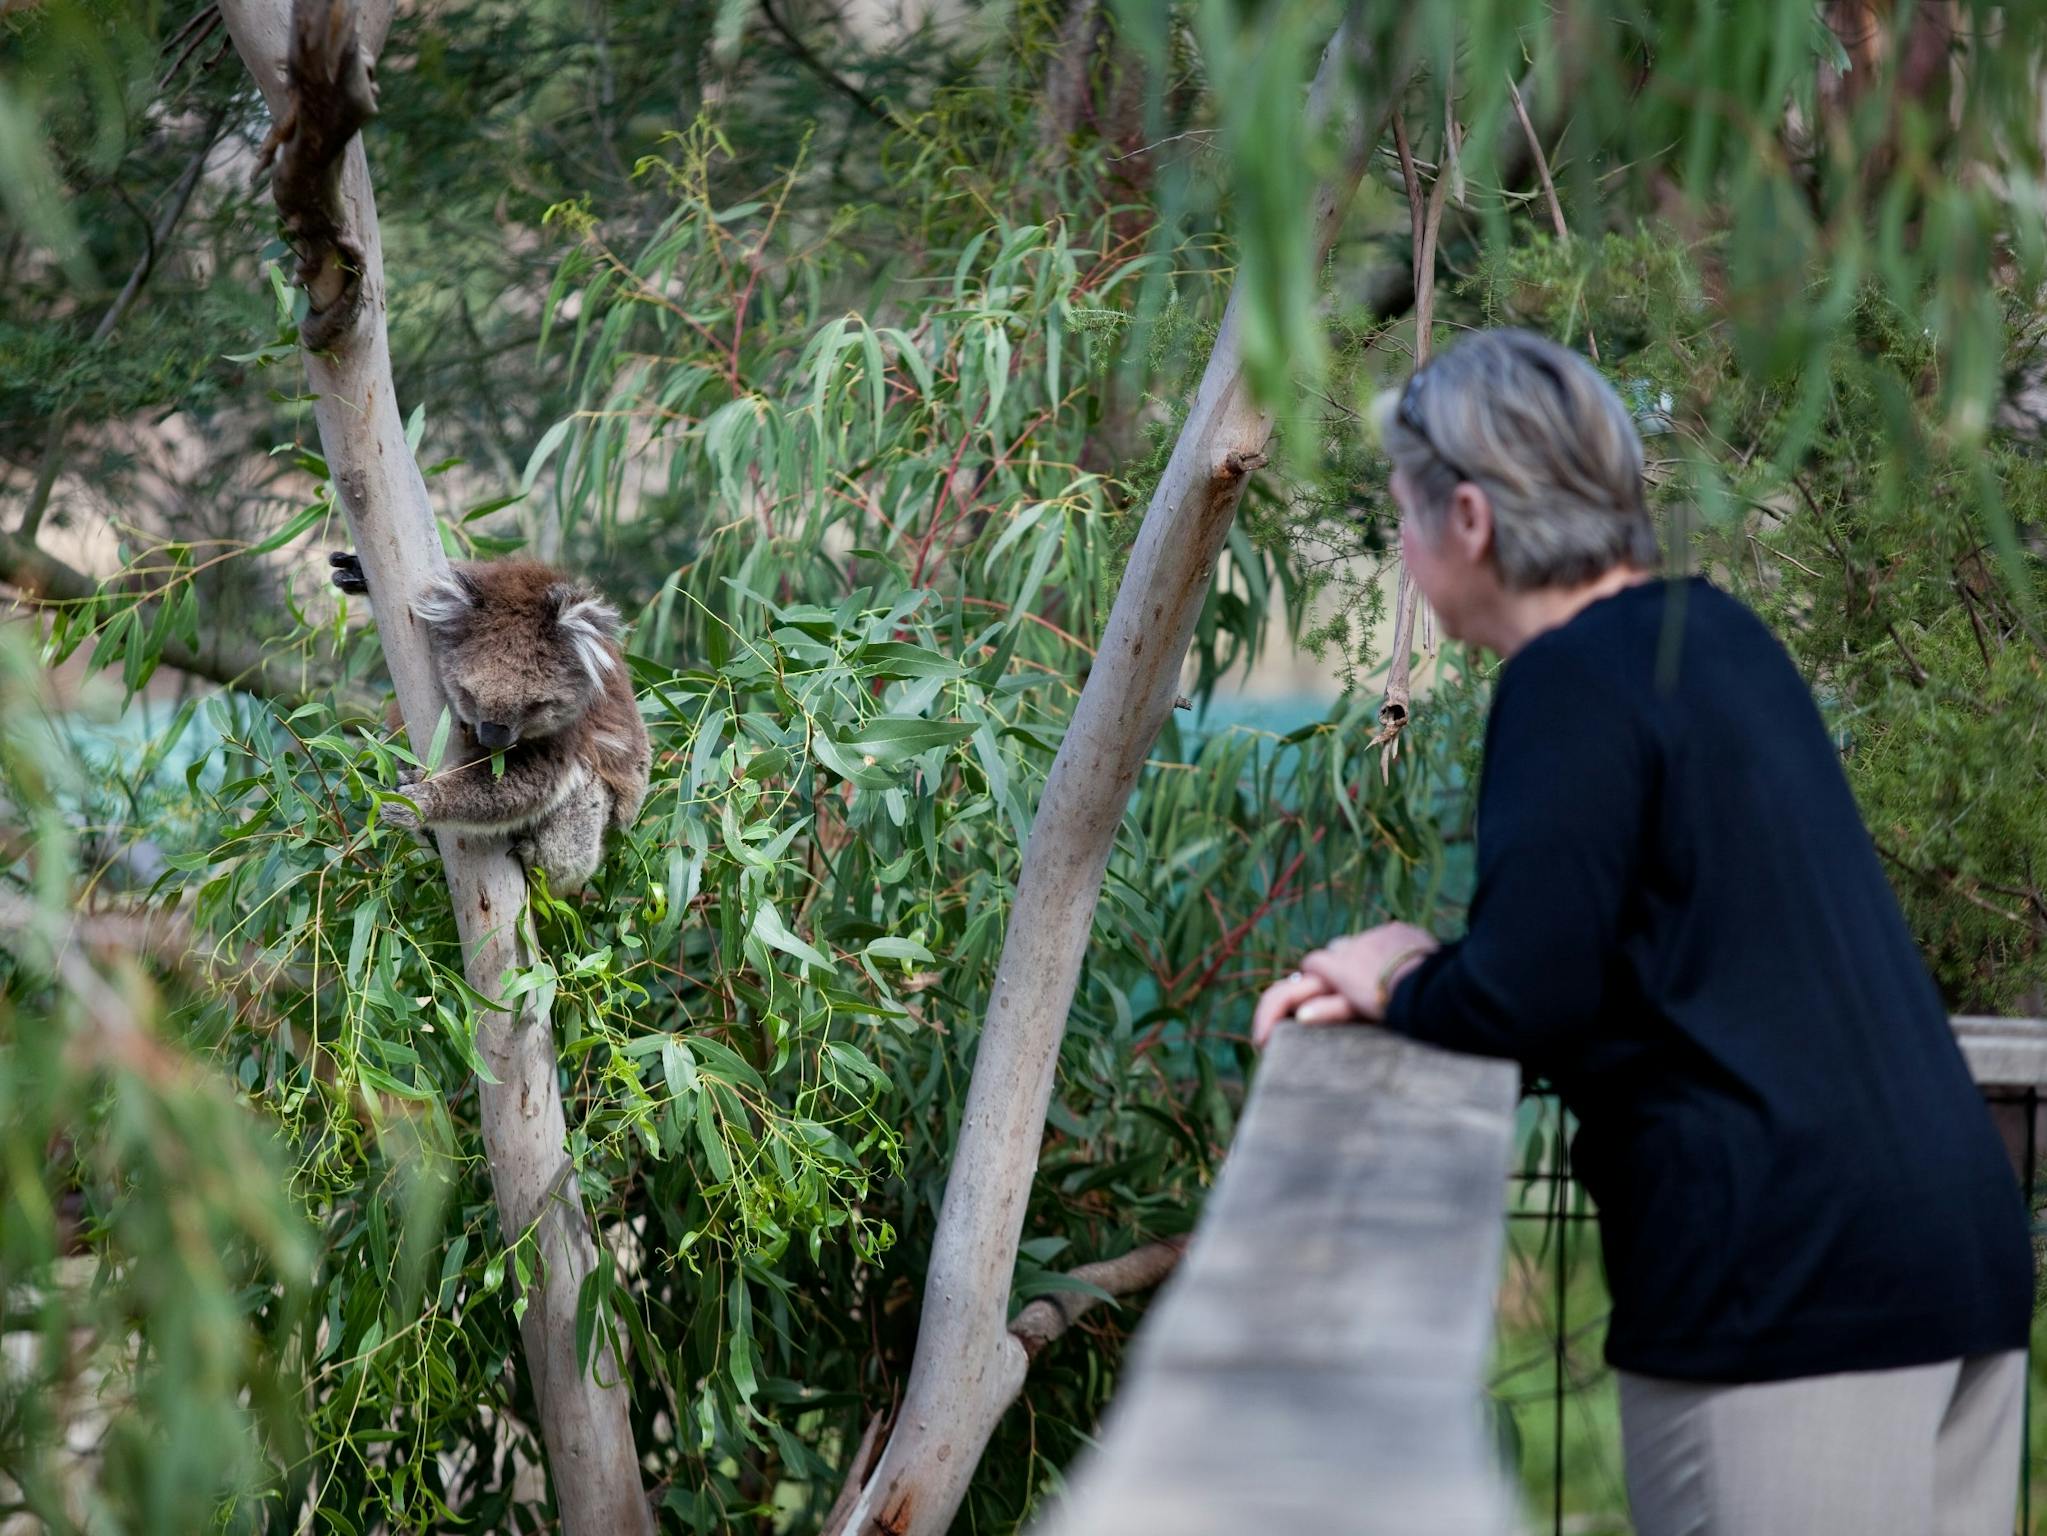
{"points": [[1363, 970], [1298, 995]]}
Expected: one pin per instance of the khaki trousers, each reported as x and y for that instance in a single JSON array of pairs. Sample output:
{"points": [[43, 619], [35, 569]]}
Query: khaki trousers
{"points": [[1931, 1450]]}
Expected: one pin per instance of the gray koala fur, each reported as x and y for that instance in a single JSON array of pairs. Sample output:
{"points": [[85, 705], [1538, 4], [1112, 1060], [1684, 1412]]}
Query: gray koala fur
{"points": [[530, 663]]}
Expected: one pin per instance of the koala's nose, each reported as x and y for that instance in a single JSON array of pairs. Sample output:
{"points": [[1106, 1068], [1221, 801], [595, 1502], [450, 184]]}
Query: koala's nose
{"points": [[493, 735]]}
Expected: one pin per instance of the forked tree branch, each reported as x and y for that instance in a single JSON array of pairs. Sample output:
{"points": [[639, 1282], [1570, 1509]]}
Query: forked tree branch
{"points": [[969, 1365]]}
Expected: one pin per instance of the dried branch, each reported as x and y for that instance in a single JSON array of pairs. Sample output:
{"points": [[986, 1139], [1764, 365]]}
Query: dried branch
{"points": [[193, 34], [1549, 190], [1913, 670], [1045, 1318], [1066, 79], [1964, 887], [1426, 218], [856, 1477], [801, 52]]}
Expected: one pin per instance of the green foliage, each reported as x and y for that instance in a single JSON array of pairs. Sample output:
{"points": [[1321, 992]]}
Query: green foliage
{"points": [[1898, 558], [767, 1007], [855, 408], [154, 1265]]}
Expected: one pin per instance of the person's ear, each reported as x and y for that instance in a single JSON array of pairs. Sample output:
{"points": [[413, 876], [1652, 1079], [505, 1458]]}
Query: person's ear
{"points": [[1469, 525]]}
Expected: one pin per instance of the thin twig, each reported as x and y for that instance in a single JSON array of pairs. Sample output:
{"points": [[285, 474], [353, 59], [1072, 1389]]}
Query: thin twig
{"points": [[1778, 554], [1953, 882], [818, 67], [1975, 622], [155, 237], [1171, 138], [1549, 192], [1917, 672], [1426, 221], [200, 27]]}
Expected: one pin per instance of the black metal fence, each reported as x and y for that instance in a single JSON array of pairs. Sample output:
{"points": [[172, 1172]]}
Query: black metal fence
{"points": [[1555, 1403]]}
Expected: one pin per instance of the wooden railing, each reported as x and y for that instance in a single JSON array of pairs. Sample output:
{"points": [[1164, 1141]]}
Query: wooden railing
{"points": [[1316, 1365]]}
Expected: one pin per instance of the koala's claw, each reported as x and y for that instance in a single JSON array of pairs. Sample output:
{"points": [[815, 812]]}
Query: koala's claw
{"points": [[347, 572]]}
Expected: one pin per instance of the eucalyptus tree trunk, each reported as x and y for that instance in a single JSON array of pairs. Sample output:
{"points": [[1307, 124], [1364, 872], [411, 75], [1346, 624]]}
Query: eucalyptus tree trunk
{"points": [[970, 1364], [314, 65]]}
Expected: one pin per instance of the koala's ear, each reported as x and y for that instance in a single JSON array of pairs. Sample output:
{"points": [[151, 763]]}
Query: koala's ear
{"points": [[448, 603], [589, 624]]}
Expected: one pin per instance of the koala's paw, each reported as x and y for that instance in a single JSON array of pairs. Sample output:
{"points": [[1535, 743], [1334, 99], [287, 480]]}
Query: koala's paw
{"points": [[399, 816], [347, 572], [395, 813], [526, 849]]}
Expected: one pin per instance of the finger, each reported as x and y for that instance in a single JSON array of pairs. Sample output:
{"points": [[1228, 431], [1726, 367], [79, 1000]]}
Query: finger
{"points": [[1335, 972], [1330, 1008], [1281, 999], [1273, 1005]]}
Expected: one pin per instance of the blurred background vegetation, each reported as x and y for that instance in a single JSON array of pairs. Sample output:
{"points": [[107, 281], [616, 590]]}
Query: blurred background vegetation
{"points": [[843, 343]]}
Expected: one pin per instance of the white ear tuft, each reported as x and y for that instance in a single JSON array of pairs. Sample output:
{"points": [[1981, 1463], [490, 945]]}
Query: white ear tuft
{"points": [[588, 623], [446, 603]]}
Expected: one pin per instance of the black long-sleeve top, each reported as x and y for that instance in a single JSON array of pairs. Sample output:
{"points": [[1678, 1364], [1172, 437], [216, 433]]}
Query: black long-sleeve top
{"points": [[1681, 922]]}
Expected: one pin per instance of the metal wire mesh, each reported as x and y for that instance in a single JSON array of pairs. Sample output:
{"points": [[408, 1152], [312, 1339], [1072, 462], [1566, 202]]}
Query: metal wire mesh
{"points": [[1555, 1402]]}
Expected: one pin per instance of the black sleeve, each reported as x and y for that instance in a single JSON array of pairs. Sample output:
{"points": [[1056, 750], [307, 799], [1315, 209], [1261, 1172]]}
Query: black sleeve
{"points": [[1568, 773]]}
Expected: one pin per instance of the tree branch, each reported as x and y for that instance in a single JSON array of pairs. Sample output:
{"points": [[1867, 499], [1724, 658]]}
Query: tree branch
{"points": [[1045, 1318], [333, 94], [969, 1366], [856, 1476], [1549, 190], [157, 238], [1426, 218], [232, 662], [1066, 78], [1389, 289], [801, 52]]}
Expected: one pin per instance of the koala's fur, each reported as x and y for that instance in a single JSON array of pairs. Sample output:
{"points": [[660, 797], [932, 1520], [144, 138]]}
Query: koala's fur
{"points": [[530, 663]]}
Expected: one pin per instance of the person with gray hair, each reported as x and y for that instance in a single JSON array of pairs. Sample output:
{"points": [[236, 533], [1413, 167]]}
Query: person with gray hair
{"points": [[1820, 1263]]}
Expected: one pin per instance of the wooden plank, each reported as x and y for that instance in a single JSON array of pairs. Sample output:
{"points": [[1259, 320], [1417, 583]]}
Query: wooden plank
{"points": [[1316, 1363]]}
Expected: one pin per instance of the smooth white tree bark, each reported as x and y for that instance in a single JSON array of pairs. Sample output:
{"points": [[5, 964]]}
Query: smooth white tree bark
{"points": [[584, 1416], [969, 1365]]}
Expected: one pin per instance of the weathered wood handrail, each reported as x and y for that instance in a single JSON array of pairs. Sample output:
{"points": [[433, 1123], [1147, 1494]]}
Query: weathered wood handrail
{"points": [[1317, 1363], [2004, 1053]]}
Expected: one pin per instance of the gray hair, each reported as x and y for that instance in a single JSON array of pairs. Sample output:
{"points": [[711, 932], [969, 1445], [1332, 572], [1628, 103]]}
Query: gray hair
{"points": [[1549, 442]]}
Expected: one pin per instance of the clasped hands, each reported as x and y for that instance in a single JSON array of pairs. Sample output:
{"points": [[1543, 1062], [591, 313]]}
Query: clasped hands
{"points": [[1346, 982]]}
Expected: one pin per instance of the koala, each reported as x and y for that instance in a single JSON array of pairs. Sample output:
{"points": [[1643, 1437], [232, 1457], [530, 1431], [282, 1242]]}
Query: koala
{"points": [[530, 663]]}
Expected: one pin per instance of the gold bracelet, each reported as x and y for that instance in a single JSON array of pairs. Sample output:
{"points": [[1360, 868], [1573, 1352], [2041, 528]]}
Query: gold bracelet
{"points": [[1413, 951]]}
